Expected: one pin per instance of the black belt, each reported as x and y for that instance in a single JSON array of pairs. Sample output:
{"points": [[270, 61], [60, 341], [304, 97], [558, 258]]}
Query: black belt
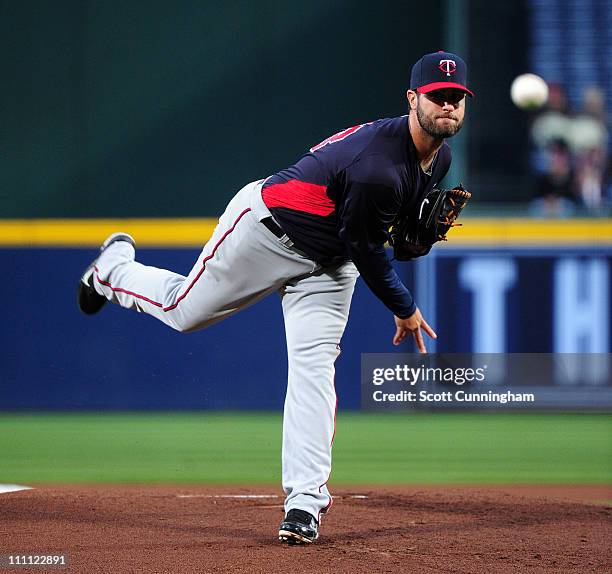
{"points": [[276, 230], [273, 227]]}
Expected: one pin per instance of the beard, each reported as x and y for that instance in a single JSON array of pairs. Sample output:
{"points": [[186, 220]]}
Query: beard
{"points": [[430, 126]]}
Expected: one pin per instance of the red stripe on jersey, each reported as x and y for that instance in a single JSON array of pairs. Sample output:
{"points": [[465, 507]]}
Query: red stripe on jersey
{"points": [[337, 137], [299, 196]]}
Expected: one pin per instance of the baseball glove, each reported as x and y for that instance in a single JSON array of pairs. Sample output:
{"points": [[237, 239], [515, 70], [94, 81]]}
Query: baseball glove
{"points": [[413, 237]]}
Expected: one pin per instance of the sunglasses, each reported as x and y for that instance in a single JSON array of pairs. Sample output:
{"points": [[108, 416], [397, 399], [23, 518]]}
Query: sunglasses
{"points": [[441, 97]]}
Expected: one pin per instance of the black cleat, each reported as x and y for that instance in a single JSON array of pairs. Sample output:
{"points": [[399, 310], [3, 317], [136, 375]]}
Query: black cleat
{"points": [[88, 299], [299, 527]]}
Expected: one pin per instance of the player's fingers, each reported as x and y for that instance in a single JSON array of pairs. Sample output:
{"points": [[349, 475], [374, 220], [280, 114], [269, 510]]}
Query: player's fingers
{"points": [[418, 337], [400, 334], [428, 329]]}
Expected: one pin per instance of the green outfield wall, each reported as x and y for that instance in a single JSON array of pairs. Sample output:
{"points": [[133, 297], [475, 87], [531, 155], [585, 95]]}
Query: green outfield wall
{"points": [[161, 109], [125, 109]]}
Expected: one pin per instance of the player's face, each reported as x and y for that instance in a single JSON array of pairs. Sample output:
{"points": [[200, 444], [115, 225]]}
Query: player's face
{"points": [[441, 112]]}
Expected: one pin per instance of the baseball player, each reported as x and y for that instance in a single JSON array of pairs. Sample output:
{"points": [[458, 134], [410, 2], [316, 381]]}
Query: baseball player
{"points": [[306, 233]]}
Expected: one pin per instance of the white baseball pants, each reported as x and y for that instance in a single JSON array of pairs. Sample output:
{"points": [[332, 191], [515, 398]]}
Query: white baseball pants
{"points": [[242, 263]]}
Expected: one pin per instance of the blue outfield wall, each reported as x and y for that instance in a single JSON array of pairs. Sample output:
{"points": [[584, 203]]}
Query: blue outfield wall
{"points": [[478, 300], [53, 357]]}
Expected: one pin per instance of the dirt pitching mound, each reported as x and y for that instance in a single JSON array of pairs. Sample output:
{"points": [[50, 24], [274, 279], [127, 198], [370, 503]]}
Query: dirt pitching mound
{"points": [[222, 529]]}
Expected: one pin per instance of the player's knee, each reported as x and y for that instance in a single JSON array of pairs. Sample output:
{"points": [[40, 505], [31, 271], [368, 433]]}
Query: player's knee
{"points": [[184, 327], [188, 324], [324, 352]]}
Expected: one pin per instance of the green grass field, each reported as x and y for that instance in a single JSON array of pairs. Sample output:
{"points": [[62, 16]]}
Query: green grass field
{"points": [[244, 448]]}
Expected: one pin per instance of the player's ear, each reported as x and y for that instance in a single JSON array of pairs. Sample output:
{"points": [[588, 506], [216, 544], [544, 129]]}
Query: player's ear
{"points": [[411, 96]]}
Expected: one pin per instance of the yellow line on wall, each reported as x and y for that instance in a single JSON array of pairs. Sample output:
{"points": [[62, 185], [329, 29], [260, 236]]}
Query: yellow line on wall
{"points": [[194, 232], [520, 231]]}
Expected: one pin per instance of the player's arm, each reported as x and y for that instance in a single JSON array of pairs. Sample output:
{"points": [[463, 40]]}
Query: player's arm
{"points": [[369, 208]]}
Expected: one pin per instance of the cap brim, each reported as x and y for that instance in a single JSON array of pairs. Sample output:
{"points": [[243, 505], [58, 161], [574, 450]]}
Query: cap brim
{"points": [[441, 85]]}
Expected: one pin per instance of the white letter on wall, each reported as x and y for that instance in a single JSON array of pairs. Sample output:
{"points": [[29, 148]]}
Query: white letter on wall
{"points": [[582, 312], [488, 279], [581, 320]]}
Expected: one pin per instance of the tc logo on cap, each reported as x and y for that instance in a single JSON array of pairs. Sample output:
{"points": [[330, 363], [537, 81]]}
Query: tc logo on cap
{"points": [[449, 67], [437, 71]]}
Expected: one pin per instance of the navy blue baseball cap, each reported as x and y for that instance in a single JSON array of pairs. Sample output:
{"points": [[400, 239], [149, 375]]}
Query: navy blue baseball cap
{"points": [[437, 71]]}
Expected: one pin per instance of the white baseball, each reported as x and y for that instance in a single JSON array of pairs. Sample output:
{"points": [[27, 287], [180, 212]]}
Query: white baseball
{"points": [[529, 92]]}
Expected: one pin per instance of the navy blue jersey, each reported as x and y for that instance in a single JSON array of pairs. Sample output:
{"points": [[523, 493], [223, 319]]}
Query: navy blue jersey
{"points": [[339, 200]]}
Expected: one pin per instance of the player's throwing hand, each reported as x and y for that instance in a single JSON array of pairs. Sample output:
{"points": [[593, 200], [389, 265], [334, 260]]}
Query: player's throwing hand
{"points": [[413, 324]]}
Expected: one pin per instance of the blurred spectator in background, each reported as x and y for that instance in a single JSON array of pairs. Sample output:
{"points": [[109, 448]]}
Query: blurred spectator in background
{"points": [[556, 186], [588, 140], [570, 159], [552, 124]]}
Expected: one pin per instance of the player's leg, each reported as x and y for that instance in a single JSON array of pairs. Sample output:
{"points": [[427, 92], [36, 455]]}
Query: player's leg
{"points": [[240, 264], [316, 310]]}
